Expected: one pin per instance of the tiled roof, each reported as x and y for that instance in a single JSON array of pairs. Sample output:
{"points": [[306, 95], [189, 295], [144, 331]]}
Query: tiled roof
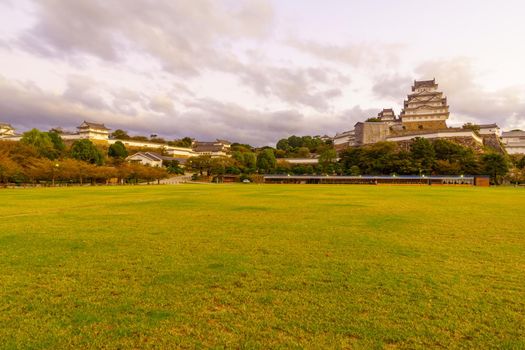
{"points": [[488, 126], [424, 83], [519, 133], [208, 147], [94, 125], [153, 156]]}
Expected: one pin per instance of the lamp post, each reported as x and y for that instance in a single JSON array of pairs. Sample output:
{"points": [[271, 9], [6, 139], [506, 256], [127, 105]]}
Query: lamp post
{"points": [[55, 168]]}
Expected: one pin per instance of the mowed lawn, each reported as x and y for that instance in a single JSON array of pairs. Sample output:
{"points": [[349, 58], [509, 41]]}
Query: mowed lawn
{"points": [[262, 266]]}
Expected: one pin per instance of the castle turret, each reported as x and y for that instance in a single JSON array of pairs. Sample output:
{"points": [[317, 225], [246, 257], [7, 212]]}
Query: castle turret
{"points": [[387, 115]]}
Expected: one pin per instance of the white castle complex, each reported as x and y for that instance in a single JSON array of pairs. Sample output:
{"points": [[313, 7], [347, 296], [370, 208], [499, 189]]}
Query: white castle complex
{"points": [[425, 114], [99, 133]]}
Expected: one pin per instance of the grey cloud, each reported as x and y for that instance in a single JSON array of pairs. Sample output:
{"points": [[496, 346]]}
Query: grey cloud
{"points": [[358, 55], [394, 87], [187, 38], [235, 122], [162, 104], [26, 106], [312, 87], [468, 98], [84, 90], [182, 35], [345, 120]]}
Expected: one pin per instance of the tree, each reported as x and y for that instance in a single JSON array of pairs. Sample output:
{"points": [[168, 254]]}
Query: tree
{"points": [[184, 142], [118, 150], [218, 165], [120, 134], [8, 167], [495, 165], [423, 154], [454, 156], [86, 151], [373, 120], [266, 161], [200, 164], [250, 162], [354, 170], [41, 142], [303, 152], [283, 145], [516, 175], [327, 158], [58, 143], [471, 126], [173, 167], [521, 163], [238, 157]]}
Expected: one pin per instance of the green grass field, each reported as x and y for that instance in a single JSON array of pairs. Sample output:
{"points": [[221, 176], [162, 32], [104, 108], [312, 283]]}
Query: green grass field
{"points": [[262, 266]]}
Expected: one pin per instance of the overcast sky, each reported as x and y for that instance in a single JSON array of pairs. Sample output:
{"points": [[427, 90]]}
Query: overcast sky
{"points": [[255, 70]]}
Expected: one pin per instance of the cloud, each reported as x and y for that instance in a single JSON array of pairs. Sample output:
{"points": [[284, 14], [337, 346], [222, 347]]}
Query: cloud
{"points": [[28, 106], [312, 87], [394, 87], [358, 55], [467, 98], [183, 36], [162, 104], [84, 90]]}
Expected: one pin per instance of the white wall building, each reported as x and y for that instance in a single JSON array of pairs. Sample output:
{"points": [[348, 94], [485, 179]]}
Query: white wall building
{"points": [[153, 159], [490, 129], [514, 141], [93, 131], [6, 130]]}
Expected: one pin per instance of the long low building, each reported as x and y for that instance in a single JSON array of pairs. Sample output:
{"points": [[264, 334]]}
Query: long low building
{"points": [[378, 180]]}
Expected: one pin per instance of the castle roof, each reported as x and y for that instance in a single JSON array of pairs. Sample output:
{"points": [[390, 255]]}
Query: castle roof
{"points": [[92, 125], [424, 83], [488, 126], [156, 157], [224, 142], [513, 133]]}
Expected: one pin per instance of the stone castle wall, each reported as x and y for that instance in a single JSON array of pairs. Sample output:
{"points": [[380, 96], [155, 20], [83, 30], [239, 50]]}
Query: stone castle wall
{"points": [[493, 142], [371, 132], [425, 125], [463, 141]]}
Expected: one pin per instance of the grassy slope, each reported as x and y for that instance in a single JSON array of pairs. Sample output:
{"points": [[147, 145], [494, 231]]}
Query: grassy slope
{"points": [[262, 266]]}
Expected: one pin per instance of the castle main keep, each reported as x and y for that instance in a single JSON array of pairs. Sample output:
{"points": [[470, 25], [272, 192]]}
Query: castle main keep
{"points": [[425, 113]]}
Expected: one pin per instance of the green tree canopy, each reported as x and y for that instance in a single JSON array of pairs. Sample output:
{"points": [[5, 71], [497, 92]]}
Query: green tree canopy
{"points": [[266, 161], [495, 165], [41, 141], [184, 142], [86, 151], [120, 134], [118, 150], [423, 154]]}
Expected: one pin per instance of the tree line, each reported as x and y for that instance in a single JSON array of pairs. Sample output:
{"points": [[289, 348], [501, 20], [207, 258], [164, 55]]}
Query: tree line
{"points": [[422, 157], [44, 158]]}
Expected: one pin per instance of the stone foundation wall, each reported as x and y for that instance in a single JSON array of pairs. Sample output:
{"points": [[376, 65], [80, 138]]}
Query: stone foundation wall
{"points": [[464, 141], [425, 125], [493, 142], [371, 132]]}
